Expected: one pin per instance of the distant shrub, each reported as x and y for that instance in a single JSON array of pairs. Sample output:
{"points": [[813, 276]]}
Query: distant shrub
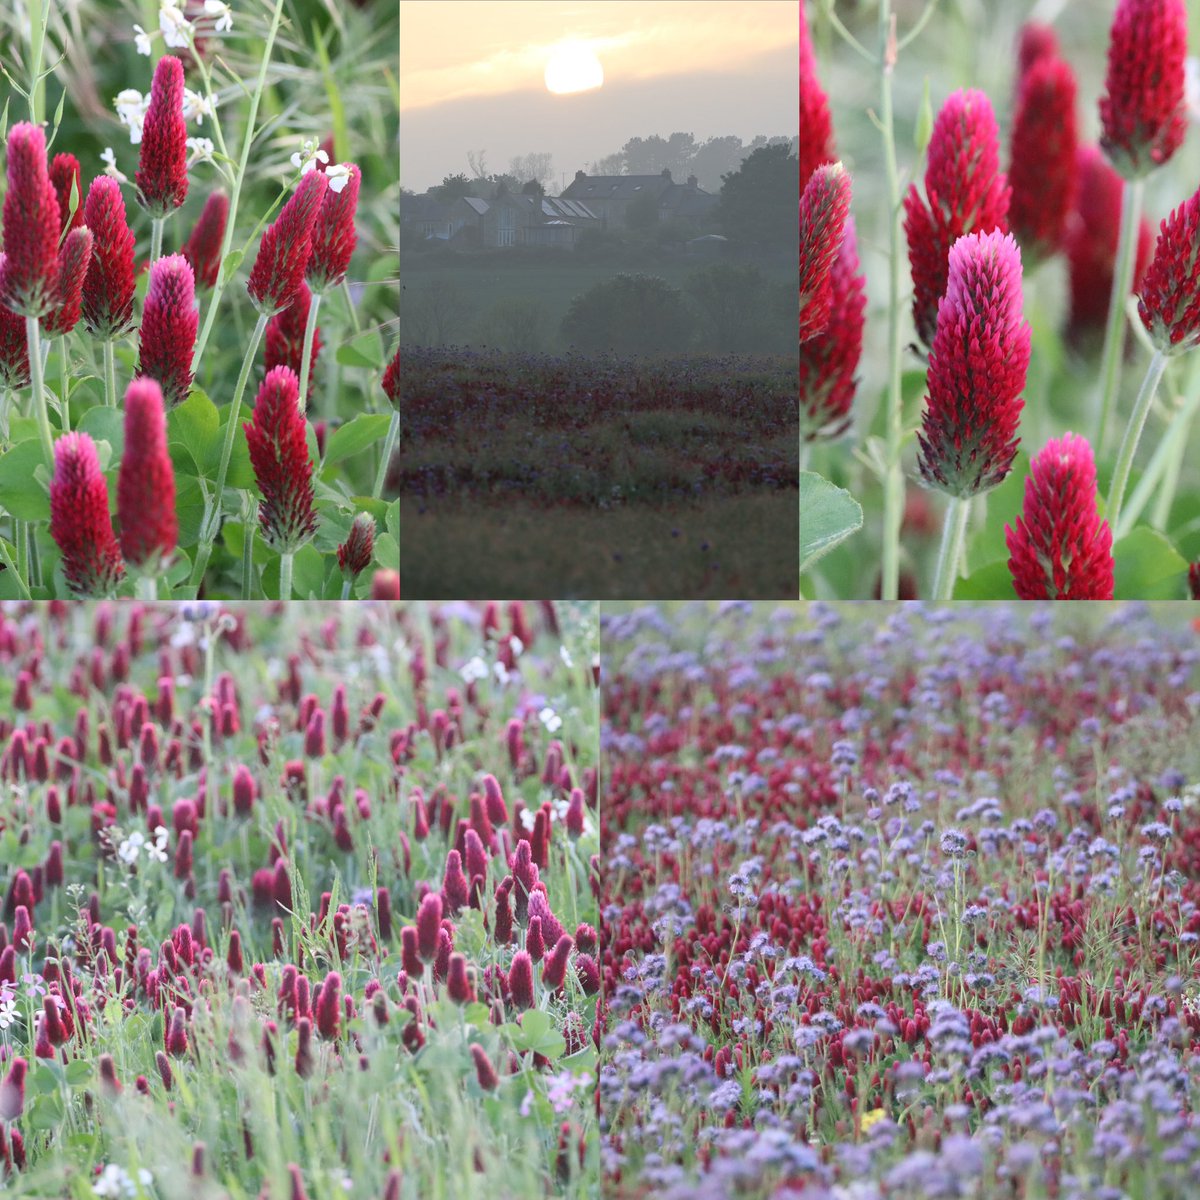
{"points": [[631, 314]]}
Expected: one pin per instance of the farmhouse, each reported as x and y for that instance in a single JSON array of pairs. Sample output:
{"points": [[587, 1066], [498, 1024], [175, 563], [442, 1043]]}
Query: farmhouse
{"points": [[609, 196], [509, 219]]}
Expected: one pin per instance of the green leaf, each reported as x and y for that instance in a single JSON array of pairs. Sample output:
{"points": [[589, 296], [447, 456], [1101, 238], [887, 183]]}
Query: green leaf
{"points": [[21, 494], [1003, 505], [828, 515], [537, 1033], [233, 260], [44, 1080], [992, 582], [365, 351], [1148, 567], [355, 436], [308, 573], [105, 424], [196, 425], [78, 1071], [46, 1113]]}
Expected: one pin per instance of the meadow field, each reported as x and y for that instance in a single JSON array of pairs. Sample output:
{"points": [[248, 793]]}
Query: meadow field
{"points": [[900, 901]]}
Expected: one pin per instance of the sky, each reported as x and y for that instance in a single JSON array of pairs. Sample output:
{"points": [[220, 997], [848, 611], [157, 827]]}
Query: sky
{"points": [[471, 78]]}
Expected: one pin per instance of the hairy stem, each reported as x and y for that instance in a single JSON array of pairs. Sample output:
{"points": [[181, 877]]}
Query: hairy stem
{"points": [[953, 535], [285, 575], [110, 375], [1114, 331], [156, 234], [1133, 434], [389, 446], [147, 587], [33, 336], [310, 331]]}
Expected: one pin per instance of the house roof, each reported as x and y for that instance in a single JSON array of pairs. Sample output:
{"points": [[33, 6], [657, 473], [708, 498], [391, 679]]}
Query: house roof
{"points": [[480, 206], [614, 187]]}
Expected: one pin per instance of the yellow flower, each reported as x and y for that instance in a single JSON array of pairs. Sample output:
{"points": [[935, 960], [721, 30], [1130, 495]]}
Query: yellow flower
{"points": [[872, 1118]]}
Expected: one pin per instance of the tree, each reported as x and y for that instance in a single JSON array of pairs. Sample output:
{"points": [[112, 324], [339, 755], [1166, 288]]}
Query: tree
{"points": [[539, 167], [737, 309], [630, 314], [716, 157], [454, 186], [760, 199], [532, 188], [610, 164]]}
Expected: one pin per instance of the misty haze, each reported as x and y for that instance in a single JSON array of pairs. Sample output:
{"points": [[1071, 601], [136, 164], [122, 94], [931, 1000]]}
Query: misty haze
{"points": [[598, 306]]}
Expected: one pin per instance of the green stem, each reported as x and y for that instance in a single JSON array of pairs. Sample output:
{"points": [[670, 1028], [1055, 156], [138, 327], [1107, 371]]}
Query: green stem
{"points": [[953, 534], [350, 307], [389, 446], [1133, 434], [285, 576], [65, 407], [1114, 332], [110, 375], [33, 336], [346, 585], [248, 556], [236, 190], [1176, 443], [214, 522], [156, 230], [893, 483], [37, 45], [147, 587], [21, 538], [310, 330]]}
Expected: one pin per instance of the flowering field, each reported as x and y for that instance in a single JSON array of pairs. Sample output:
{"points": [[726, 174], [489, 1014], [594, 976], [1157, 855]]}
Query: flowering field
{"points": [[677, 477], [998, 300], [196, 294], [298, 903], [900, 902]]}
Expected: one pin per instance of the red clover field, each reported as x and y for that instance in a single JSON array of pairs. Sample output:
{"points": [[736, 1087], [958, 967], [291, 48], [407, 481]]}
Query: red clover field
{"points": [[900, 902], [298, 904]]}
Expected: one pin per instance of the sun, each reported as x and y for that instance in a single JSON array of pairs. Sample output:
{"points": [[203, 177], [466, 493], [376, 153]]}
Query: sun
{"points": [[573, 67]]}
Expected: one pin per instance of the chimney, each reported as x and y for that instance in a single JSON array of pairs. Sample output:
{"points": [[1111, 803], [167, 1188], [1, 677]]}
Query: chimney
{"points": [[691, 181], [579, 176]]}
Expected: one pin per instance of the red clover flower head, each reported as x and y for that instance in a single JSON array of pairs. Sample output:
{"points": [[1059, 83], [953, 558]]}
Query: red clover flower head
{"points": [[79, 520], [286, 245], [1043, 169], [1143, 113], [334, 236], [146, 482], [977, 366], [354, 554], [816, 146], [31, 226], [284, 339], [203, 247], [74, 261], [1035, 42], [278, 444], [161, 177], [391, 380], [1169, 299], [66, 176], [14, 346], [109, 285], [824, 206], [828, 362], [520, 980], [966, 192], [169, 323], [429, 924], [1060, 548]]}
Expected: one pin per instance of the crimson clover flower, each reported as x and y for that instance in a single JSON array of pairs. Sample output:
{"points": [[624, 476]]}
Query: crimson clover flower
{"points": [[1035, 42], [146, 482], [1043, 168], [965, 192], [334, 235], [79, 520], [14, 346], [74, 261], [284, 337], [66, 176], [828, 362], [161, 177], [816, 146], [169, 323], [109, 284], [1169, 296], [286, 245], [31, 226], [203, 247], [1143, 111], [279, 455], [1092, 232], [391, 380], [1060, 548], [977, 366], [824, 207], [354, 554]]}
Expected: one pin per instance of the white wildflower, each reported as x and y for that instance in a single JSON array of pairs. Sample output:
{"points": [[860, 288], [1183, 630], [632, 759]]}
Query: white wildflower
{"points": [[115, 1181], [110, 165], [223, 13], [518, 646], [196, 107], [8, 1009], [158, 849], [307, 157], [141, 39], [201, 150], [131, 108], [338, 176], [475, 669], [130, 848], [565, 655], [551, 719], [176, 30]]}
